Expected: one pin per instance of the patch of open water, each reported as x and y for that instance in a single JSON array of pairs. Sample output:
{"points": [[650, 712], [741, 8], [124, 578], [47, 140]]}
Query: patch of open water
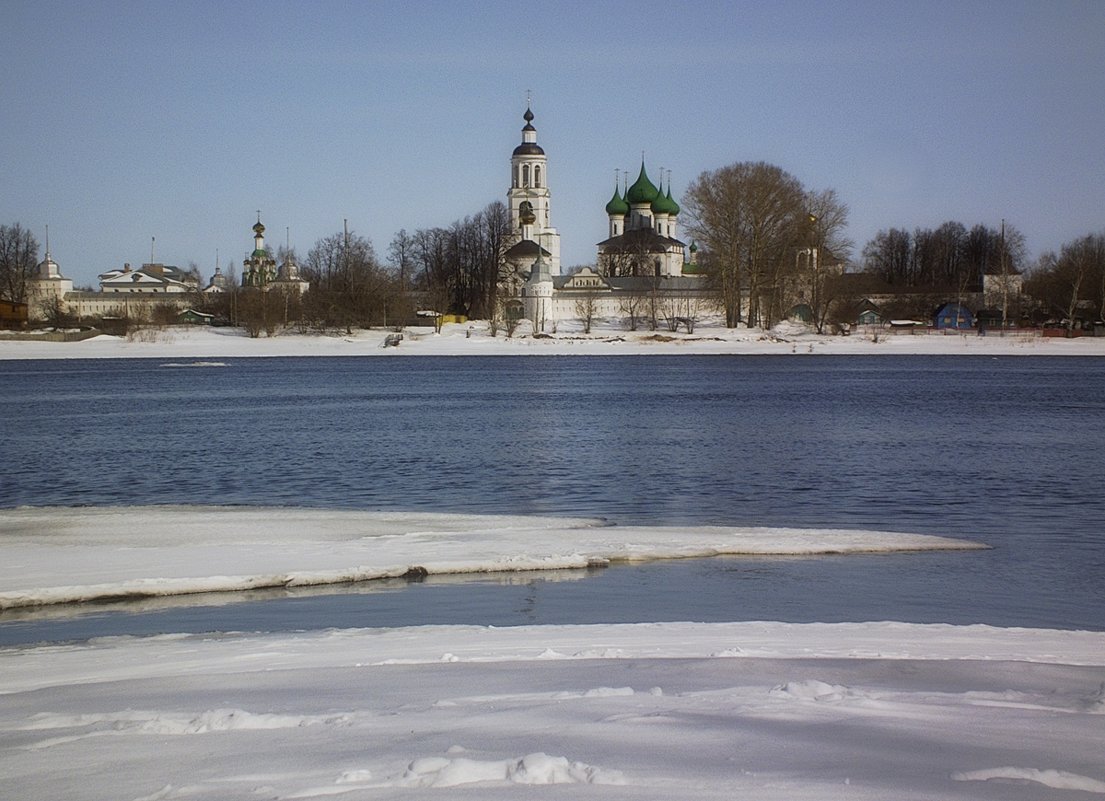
{"points": [[1006, 451]]}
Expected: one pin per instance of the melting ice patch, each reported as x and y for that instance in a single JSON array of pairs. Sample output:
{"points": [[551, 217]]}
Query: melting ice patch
{"points": [[537, 768], [1059, 779], [811, 690], [64, 555]]}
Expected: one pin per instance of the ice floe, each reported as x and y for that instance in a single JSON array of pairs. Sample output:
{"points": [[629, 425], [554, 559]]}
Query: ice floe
{"points": [[70, 555]]}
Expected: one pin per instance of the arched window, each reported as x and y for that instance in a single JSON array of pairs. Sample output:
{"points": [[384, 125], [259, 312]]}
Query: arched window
{"points": [[537, 176], [517, 179], [525, 175]]}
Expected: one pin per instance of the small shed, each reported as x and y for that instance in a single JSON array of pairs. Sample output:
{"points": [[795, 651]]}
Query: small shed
{"points": [[12, 314], [905, 326], [867, 313], [800, 313], [193, 317], [954, 316]]}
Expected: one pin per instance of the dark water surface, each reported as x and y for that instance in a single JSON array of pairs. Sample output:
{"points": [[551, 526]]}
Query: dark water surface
{"points": [[1006, 451]]}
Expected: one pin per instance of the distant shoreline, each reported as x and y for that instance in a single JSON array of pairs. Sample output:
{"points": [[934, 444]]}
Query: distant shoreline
{"points": [[192, 343]]}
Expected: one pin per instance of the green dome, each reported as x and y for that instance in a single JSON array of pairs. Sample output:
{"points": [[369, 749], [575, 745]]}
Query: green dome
{"points": [[664, 205], [643, 190], [617, 207], [673, 207]]}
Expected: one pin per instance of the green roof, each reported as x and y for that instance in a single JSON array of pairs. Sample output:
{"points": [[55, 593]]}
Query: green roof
{"points": [[671, 201], [643, 190], [617, 205], [664, 204]]}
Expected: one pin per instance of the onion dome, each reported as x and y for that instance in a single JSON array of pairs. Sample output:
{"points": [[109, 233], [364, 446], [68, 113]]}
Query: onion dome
{"points": [[259, 229], [643, 190], [617, 207], [664, 205], [529, 146], [673, 207]]}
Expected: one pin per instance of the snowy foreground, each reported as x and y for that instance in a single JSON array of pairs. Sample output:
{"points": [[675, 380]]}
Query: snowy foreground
{"points": [[769, 711], [69, 555], [648, 711], [606, 339]]}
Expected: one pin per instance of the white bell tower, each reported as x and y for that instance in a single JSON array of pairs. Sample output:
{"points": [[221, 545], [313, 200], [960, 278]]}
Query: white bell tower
{"points": [[530, 218]]}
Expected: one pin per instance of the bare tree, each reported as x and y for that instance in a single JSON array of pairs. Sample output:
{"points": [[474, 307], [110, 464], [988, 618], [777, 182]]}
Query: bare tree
{"points": [[690, 310], [55, 311], [747, 215], [462, 262], [632, 305], [827, 248], [348, 286], [253, 310], [1078, 268], [512, 313], [18, 261], [670, 306], [401, 257], [586, 307], [890, 257]]}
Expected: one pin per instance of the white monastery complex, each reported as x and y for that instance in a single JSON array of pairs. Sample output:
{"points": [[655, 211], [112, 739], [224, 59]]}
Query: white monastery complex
{"points": [[641, 269]]}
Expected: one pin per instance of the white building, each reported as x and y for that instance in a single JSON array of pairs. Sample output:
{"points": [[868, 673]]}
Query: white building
{"points": [[640, 270], [153, 279], [123, 293]]}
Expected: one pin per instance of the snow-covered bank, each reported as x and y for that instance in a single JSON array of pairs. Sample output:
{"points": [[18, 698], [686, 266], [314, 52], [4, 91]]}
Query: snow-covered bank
{"points": [[650, 711], [67, 555], [206, 344]]}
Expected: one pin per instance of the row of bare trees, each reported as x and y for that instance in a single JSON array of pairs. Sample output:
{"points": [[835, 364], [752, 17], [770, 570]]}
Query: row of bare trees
{"points": [[455, 269], [650, 308], [949, 257], [1071, 284]]}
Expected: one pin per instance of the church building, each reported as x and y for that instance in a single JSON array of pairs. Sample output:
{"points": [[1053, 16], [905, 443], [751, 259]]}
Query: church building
{"points": [[259, 269], [640, 265], [643, 224]]}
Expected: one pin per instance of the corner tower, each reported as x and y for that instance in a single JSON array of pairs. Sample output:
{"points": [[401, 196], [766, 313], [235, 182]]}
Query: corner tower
{"points": [[530, 218]]}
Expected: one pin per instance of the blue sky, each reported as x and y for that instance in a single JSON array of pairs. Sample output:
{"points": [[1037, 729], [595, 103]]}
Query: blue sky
{"points": [[178, 120]]}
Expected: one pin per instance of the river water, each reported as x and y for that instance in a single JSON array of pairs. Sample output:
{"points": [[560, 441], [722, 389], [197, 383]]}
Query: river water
{"points": [[1008, 451]]}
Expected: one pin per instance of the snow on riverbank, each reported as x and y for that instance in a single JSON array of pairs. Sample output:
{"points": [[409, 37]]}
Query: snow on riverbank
{"points": [[649, 711], [66, 555], [202, 345]]}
